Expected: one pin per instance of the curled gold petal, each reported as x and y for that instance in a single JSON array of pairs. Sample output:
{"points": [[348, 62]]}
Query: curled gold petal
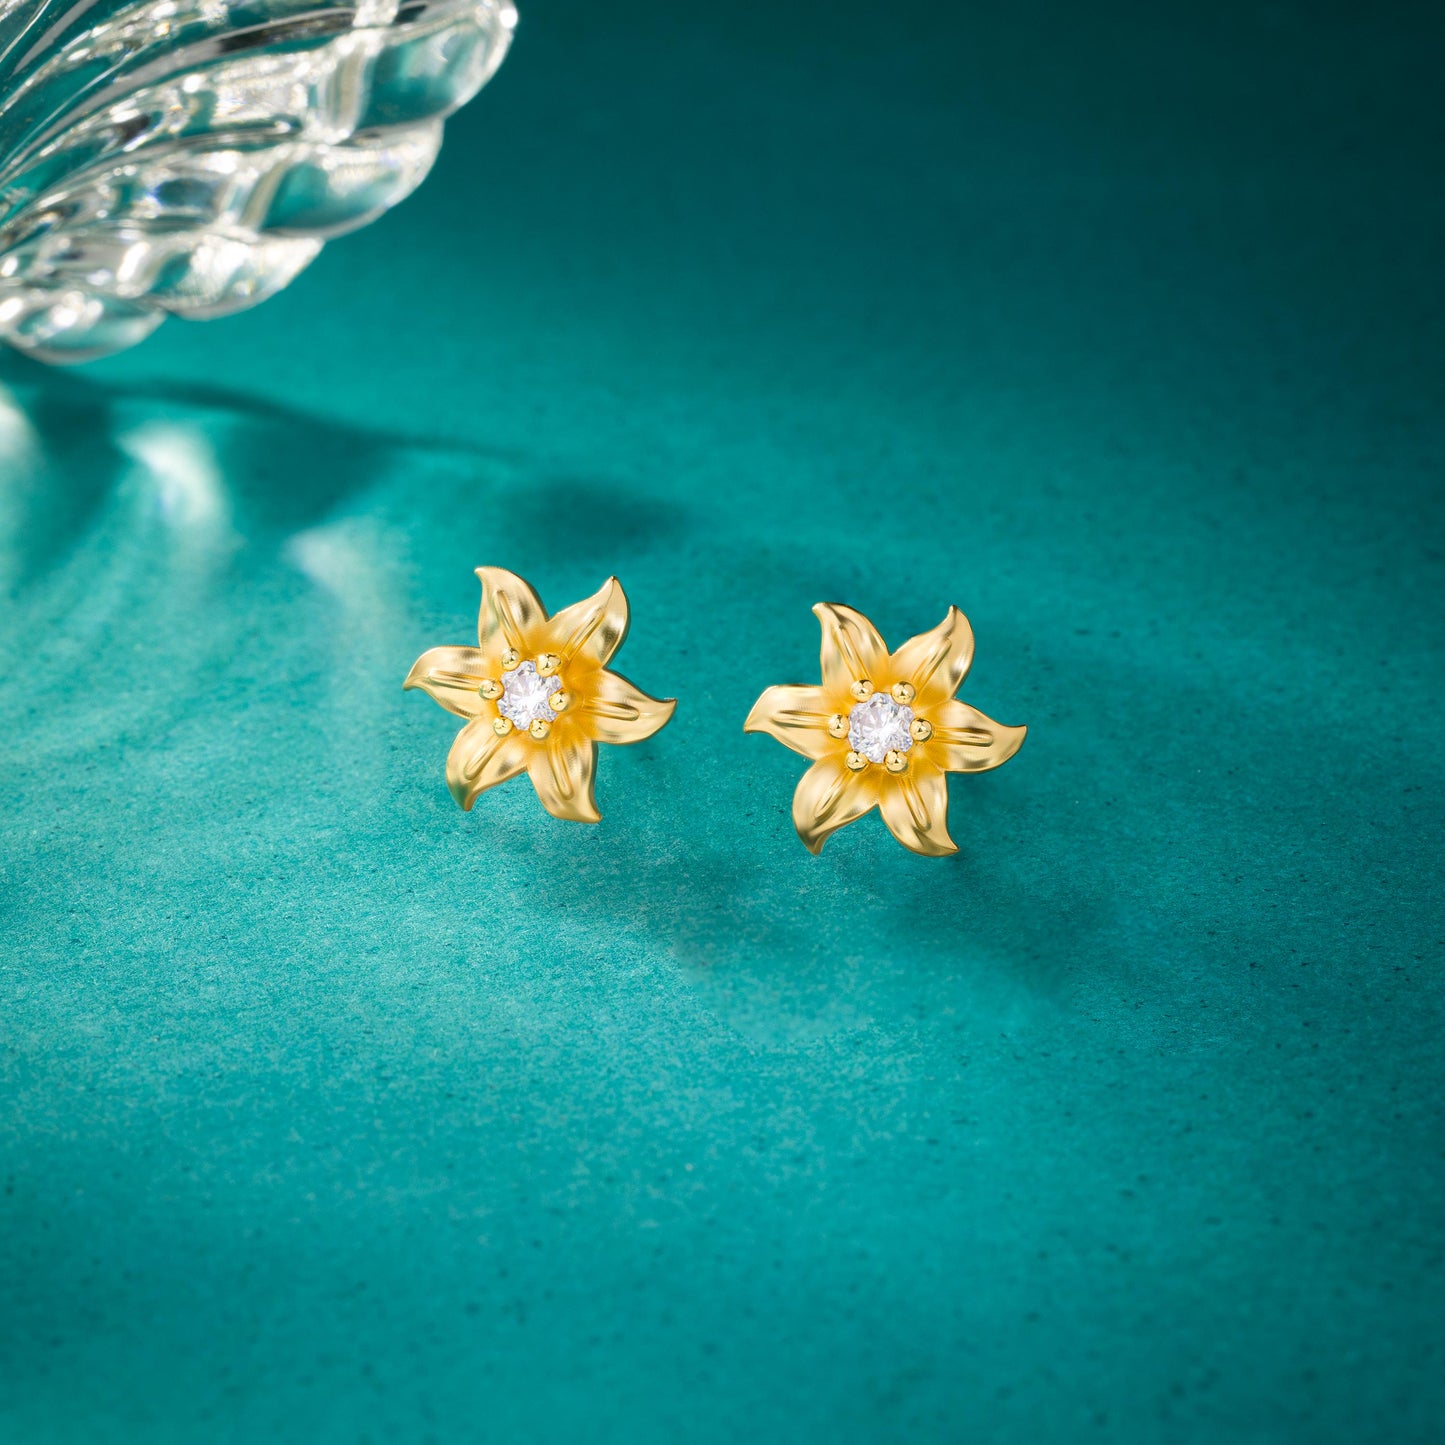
{"points": [[593, 628], [827, 797], [562, 772], [936, 662], [915, 808], [965, 741], [450, 676], [511, 615], [799, 717], [852, 648], [479, 760], [617, 711]]}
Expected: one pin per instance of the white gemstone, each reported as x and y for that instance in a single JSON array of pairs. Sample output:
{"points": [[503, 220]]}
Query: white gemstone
{"points": [[878, 727], [524, 695]]}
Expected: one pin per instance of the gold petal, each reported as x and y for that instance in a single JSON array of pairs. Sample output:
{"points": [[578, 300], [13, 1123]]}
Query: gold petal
{"points": [[965, 741], [827, 797], [511, 615], [450, 675], [915, 807], [479, 760], [594, 627], [936, 662], [852, 647], [562, 771], [616, 711], [797, 717]]}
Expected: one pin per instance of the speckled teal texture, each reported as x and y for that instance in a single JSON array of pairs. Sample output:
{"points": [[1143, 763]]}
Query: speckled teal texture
{"points": [[1125, 1125]]}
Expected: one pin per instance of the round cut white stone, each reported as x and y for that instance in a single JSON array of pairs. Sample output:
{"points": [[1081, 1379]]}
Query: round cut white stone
{"points": [[524, 695], [878, 727]]}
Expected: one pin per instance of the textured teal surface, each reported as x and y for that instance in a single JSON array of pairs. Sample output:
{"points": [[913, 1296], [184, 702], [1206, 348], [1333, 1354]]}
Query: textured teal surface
{"points": [[331, 1113]]}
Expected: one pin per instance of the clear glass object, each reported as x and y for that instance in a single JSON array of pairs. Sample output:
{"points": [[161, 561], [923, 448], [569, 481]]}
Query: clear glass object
{"points": [[190, 157]]}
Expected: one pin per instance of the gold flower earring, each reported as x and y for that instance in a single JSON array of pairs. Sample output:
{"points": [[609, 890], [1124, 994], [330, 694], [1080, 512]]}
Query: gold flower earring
{"points": [[884, 730], [537, 695]]}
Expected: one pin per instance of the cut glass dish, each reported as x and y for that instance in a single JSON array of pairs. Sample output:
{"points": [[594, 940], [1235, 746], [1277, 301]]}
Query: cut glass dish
{"points": [[190, 157]]}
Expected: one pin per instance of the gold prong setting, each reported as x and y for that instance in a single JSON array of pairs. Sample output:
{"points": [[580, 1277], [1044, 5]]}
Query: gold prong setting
{"points": [[528, 696], [880, 725]]}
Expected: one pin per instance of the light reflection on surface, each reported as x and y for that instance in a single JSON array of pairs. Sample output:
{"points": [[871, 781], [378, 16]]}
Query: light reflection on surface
{"points": [[153, 540], [177, 459], [20, 465]]}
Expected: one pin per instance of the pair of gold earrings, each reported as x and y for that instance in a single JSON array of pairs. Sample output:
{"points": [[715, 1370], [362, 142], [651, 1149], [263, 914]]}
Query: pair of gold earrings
{"points": [[883, 730]]}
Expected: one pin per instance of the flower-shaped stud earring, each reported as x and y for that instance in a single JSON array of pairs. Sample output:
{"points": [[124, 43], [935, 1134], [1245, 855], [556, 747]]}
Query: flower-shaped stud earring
{"points": [[884, 730], [537, 694]]}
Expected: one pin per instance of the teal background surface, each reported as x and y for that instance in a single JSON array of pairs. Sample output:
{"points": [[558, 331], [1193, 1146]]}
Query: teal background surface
{"points": [[331, 1113]]}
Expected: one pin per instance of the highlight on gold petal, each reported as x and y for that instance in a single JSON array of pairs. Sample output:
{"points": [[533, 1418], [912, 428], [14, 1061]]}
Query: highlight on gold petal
{"points": [[619, 712], [798, 717], [828, 797], [936, 662], [853, 653], [537, 694], [916, 812], [563, 777], [510, 614], [453, 677], [480, 759], [595, 627], [883, 730]]}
